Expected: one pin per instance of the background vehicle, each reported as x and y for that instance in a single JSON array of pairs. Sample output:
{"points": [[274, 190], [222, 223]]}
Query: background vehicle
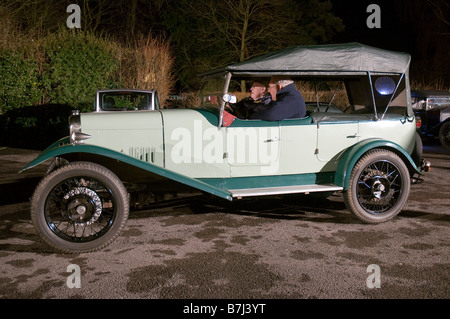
{"points": [[361, 144], [433, 108]]}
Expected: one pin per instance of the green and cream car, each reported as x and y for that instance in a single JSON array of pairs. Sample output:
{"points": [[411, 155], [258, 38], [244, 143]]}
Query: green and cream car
{"points": [[358, 138]]}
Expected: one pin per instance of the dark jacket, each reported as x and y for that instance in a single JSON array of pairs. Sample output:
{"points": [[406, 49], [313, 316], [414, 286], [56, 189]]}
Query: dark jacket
{"points": [[246, 107], [289, 104]]}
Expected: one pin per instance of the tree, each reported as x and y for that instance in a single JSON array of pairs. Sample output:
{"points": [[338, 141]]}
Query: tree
{"points": [[204, 34], [441, 10], [37, 16], [211, 33], [429, 24]]}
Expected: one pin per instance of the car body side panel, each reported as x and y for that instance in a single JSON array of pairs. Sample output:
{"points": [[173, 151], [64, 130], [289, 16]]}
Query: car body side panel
{"points": [[319, 147], [142, 139], [194, 144], [253, 150], [298, 146], [332, 138], [397, 129], [270, 148]]}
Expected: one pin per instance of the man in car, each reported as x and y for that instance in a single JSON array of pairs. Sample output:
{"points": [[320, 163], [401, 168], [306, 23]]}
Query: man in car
{"points": [[287, 101], [258, 101]]}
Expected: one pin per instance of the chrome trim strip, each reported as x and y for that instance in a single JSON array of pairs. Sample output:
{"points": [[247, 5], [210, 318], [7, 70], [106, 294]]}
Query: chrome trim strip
{"points": [[373, 97], [222, 103]]}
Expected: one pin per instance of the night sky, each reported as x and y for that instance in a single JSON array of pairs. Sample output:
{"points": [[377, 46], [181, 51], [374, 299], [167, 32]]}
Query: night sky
{"points": [[405, 28], [392, 35]]}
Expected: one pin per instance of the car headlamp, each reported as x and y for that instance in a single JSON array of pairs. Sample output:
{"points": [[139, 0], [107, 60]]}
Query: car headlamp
{"points": [[75, 134]]}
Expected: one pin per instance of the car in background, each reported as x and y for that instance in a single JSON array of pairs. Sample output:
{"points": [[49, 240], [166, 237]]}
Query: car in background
{"points": [[433, 109]]}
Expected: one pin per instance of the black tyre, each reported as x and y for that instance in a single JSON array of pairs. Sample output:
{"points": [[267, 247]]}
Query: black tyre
{"points": [[379, 187], [56, 163], [80, 207], [417, 153], [444, 135]]}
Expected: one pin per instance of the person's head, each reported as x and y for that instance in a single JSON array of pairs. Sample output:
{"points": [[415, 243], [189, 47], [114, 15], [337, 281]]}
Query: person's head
{"points": [[258, 89], [273, 89], [277, 82]]}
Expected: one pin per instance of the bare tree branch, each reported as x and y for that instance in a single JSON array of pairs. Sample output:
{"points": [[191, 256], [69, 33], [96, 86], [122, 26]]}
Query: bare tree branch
{"points": [[441, 9]]}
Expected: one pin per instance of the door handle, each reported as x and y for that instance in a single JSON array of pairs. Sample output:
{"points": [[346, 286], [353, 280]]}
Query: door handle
{"points": [[356, 135], [275, 139]]}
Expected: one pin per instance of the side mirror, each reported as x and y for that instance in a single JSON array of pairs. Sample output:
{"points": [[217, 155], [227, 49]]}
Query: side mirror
{"points": [[229, 98]]}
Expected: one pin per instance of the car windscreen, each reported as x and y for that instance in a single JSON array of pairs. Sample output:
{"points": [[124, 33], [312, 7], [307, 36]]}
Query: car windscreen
{"points": [[125, 101], [212, 91]]}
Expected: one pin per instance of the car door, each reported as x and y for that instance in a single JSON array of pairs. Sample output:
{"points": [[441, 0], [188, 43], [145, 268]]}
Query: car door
{"points": [[333, 138], [252, 148], [298, 139]]}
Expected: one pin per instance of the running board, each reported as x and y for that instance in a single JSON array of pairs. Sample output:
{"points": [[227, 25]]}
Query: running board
{"points": [[284, 190]]}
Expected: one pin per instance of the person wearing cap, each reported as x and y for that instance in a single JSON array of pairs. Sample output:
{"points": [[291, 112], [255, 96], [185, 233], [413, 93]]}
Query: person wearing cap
{"points": [[258, 101], [287, 101]]}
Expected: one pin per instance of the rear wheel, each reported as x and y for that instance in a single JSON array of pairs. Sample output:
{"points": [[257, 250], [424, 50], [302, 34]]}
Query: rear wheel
{"points": [[379, 187], [80, 207]]}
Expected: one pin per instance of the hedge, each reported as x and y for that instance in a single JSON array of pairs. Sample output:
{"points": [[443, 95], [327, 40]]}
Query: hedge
{"points": [[63, 71]]}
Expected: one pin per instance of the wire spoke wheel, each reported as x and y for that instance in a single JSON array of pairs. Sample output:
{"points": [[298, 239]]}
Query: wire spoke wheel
{"points": [[379, 187], [80, 207]]}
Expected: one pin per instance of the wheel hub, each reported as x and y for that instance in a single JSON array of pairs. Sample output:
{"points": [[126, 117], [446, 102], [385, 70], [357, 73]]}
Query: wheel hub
{"points": [[380, 187], [84, 206], [77, 209]]}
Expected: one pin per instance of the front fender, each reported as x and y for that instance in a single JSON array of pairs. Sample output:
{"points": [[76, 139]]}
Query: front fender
{"points": [[55, 149], [354, 153], [61, 147]]}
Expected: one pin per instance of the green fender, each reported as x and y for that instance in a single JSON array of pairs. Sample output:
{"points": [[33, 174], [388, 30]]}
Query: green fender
{"points": [[354, 153], [62, 147]]}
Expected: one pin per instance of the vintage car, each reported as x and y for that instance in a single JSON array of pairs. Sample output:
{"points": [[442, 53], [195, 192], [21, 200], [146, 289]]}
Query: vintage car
{"points": [[433, 109], [361, 144]]}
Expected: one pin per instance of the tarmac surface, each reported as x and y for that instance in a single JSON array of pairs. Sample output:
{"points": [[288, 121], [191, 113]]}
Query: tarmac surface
{"points": [[197, 247]]}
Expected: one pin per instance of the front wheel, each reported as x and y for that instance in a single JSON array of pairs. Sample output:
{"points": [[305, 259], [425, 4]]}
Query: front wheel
{"points": [[80, 207], [379, 187]]}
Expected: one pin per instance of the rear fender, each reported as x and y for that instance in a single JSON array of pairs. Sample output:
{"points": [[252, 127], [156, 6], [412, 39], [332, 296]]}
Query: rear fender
{"points": [[354, 153]]}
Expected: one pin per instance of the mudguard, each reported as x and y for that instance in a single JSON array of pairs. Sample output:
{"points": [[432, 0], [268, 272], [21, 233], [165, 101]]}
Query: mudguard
{"points": [[351, 156], [63, 146]]}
